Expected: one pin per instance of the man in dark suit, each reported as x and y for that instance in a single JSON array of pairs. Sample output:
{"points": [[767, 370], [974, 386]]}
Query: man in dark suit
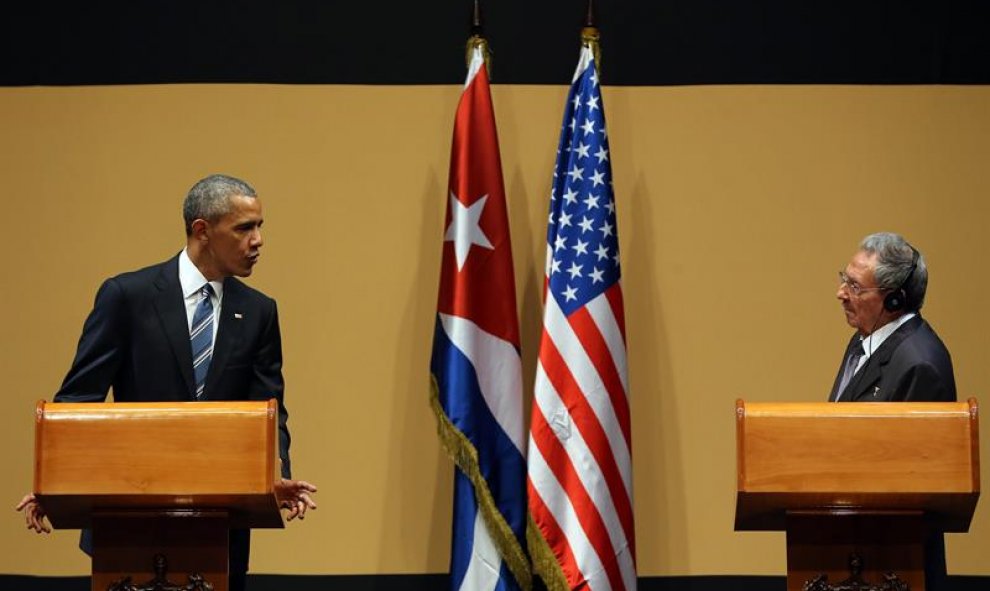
{"points": [[188, 330], [895, 354]]}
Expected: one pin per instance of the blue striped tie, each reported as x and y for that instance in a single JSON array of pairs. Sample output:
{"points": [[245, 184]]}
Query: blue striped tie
{"points": [[201, 336]]}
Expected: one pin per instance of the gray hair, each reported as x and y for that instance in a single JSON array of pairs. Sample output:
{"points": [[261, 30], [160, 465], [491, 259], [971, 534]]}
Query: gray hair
{"points": [[895, 258], [209, 198]]}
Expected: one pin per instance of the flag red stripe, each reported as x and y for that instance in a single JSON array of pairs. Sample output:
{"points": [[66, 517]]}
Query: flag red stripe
{"points": [[583, 416], [594, 344], [554, 536], [614, 295], [593, 434], [584, 506]]}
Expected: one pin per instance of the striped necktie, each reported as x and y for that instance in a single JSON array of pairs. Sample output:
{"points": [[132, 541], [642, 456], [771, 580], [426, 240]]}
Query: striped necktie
{"points": [[201, 337], [852, 362]]}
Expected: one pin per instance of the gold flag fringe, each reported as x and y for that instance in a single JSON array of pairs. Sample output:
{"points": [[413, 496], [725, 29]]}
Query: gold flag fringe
{"points": [[544, 561], [465, 456]]}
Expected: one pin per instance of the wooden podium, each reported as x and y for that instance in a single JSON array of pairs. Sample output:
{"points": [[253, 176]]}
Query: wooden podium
{"points": [[158, 481], [870, 479]]}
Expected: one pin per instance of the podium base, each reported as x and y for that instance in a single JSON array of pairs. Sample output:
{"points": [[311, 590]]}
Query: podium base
{"points": [[846, 546], [193, 543]]}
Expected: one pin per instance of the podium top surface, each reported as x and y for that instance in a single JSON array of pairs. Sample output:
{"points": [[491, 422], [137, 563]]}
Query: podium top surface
{"points": [[157, 456], [856, 456]]}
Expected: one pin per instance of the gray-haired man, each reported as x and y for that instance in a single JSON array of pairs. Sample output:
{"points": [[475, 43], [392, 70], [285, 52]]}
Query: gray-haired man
{"points": [[895, 354]]}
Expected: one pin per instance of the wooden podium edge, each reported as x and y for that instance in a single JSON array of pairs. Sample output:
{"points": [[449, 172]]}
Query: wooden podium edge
{"points": [[974, 419]]}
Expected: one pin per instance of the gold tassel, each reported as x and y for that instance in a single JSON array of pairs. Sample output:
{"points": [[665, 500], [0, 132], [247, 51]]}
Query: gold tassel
{"points": [[465, 456], [544, 561]]}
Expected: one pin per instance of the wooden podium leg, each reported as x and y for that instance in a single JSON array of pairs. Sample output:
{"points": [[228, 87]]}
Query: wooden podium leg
{"points": [[125, 544], [821, 542]]}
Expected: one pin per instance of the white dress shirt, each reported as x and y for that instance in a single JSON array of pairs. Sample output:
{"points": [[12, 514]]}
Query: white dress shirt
{"points": [[192, 281]]}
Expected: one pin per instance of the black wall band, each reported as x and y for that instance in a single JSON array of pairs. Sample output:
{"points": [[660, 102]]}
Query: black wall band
{"points": [[644, 42]]}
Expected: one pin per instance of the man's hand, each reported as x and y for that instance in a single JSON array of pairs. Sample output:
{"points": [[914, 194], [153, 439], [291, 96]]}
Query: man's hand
{"points": [[34, 515], [294, 495]]}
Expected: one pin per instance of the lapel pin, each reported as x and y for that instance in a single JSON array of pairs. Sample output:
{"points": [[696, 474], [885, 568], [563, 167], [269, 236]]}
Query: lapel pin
{"points": [[238, 315], [876, 391]]}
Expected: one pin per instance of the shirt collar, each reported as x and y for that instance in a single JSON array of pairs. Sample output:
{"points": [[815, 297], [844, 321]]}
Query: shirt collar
{"points": [[872, 342], [191, 279]]}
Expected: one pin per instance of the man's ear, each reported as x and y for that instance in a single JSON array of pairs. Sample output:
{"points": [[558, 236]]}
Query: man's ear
{"points": [[199, 228]]}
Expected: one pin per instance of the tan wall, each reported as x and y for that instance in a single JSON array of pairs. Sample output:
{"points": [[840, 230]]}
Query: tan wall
{"points": [[737, 205]]}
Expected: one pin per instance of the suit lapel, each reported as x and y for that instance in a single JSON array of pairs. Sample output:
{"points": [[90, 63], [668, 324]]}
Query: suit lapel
{"points": [[228, 331], [861, 386], [172, 314], [865, 386]]}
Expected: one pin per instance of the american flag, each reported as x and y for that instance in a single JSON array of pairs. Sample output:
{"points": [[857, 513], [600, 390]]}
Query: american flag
{"points": [[580, 470], [476, 370]]}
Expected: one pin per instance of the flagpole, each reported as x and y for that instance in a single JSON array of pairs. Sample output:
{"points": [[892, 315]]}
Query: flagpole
{"points": [[581, 530], [476, 352], [590, 36], [477, 39]]}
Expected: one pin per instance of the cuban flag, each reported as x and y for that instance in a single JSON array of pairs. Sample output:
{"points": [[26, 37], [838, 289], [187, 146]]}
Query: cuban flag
{"points": [[476, 372], [580, 446]]}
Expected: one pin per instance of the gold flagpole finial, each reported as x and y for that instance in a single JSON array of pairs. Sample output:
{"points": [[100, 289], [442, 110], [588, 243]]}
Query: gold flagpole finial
{"points": [[477, 39], [590, 36]]}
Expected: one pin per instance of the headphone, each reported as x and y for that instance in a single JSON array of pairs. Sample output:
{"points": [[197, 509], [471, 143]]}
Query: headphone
{"points": [[897, 300]]}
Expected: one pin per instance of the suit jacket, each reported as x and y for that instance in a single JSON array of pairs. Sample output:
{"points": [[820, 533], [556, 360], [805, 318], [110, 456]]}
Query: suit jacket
{"points": [[912, 365], [136, 340]]}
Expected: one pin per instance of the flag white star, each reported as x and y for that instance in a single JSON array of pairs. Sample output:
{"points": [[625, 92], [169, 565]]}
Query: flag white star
{"points": [[570, 293], [594, 78], [576, 174], [588, 127], [581, 247], [602, 154], [559, 243], [464, 229], [596, 276], [565, 219], [606, 229], [610, 206], [585, 224], [598, 178], [591, 201], [582, 150], [577, 101], [570, 196], [575, 270], [554, 266], [602, 252], [593, 102]]}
